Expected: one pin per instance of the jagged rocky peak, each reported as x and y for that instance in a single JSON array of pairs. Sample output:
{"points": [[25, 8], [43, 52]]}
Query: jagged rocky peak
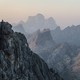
{"points": [[41, 42], [38, 16], [44, 37], [5, 28], [39, 21], [41, 39], [17, 61]]}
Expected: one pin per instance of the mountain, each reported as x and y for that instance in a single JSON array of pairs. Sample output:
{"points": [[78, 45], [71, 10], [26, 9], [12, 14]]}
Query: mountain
{"points": [[37, 22], [63, 57], [69, 35], [76, 66], [61, 52], [41, 42], [19, 28], [58, 56], [17, 61]]}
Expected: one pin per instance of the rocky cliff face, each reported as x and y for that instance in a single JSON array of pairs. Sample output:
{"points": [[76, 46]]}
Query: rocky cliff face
{"points": [[17, 61]]}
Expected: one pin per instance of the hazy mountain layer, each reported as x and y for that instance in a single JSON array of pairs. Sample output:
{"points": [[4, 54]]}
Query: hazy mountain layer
{"points": [[69, 35], [63, 57], [41, 42], [36, 22]]}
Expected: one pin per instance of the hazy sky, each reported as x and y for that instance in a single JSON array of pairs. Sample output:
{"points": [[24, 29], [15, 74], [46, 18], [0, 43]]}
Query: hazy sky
{"points": [[65, 12]]}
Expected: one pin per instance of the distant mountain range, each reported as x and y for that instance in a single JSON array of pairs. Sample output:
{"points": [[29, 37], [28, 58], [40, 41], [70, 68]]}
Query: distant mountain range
{"points": [[19, 28], [38, 22], [69, 35], [59, 48], [61, 56]]}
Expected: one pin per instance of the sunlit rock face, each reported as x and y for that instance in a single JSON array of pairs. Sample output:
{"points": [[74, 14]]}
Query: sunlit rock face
{"points": [[17, 61]]}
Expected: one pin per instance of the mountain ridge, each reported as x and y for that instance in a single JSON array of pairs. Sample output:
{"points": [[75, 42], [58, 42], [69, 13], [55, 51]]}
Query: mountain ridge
{"points": [[17, 61]]}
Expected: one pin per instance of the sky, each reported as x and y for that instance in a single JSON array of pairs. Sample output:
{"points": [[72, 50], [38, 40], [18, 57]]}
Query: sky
{"points": [[65, 12]]}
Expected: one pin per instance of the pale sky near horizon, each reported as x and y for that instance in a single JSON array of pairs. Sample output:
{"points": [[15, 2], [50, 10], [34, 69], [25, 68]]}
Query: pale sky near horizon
{"points": [[65, 12]]}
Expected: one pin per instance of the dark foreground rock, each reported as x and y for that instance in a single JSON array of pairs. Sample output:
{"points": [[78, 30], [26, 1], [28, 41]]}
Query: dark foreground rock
{"points": [[17, 61]]}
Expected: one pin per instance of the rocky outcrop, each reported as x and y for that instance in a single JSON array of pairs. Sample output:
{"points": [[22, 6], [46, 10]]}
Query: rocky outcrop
{"points": [[17, 61]]}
